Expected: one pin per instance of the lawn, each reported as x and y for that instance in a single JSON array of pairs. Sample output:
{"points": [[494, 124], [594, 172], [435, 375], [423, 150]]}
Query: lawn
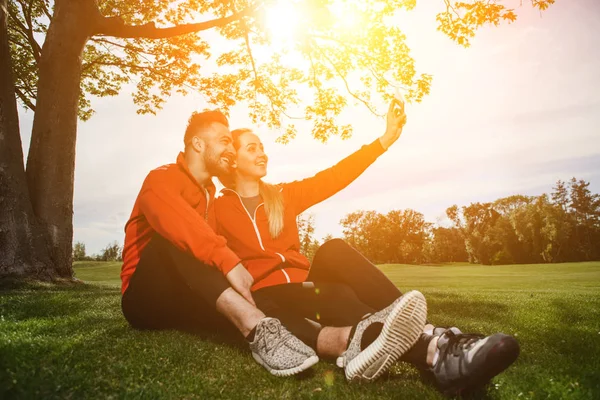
{"points": [[72, 341]]}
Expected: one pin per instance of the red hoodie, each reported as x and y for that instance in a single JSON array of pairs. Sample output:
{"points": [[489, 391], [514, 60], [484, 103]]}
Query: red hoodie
{"points": [[248, 235], [173, 204]]}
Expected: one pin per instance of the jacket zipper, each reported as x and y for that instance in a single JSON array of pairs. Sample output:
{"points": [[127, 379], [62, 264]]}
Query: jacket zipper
{"points": [[207, 203], [287, 277], [253, 220]]}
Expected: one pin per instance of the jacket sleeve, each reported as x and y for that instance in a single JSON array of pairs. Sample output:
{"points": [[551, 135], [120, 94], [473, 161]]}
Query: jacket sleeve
{"points": [[310, 191], [174, 219]]}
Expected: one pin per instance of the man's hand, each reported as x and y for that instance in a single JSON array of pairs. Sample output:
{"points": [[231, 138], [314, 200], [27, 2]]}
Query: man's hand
{"points": [[241, 281], [396, 119]]}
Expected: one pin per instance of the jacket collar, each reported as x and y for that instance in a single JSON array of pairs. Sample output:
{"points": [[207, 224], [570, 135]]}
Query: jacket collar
{"points": [[181, 163]]}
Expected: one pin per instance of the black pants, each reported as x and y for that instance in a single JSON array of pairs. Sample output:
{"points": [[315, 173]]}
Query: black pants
{"points": [[170, 289], [342, 286], [336, 261]]}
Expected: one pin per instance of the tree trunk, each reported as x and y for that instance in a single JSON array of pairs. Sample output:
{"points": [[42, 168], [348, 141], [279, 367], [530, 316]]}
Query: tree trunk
{"points": [[23, 250], [51, 160]]}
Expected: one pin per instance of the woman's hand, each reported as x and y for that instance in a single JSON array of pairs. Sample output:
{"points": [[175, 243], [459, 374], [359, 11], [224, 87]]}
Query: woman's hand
{"points": [[396, 119]]}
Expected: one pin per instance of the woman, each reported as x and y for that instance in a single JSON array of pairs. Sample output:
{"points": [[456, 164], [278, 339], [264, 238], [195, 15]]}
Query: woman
{"points": [[259, 222]]}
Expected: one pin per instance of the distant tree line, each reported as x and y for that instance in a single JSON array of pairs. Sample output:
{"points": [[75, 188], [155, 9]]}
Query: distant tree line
{"points": [[112, 252], [561, 226], [557, 227]]}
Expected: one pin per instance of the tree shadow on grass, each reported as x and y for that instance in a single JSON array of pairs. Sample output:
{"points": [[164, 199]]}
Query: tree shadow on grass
{"points": [[22, 305], [459, 307]]}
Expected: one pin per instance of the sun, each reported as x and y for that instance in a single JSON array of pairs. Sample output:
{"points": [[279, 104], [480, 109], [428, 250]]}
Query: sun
{"points": [[282, 21]]}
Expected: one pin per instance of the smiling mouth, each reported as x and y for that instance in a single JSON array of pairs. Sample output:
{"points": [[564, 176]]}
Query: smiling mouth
{"points": [[227, 160], [261, 163]]}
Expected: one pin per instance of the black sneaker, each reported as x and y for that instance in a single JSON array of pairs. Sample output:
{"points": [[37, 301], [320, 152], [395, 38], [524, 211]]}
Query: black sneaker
{"points": [[466, 361]]}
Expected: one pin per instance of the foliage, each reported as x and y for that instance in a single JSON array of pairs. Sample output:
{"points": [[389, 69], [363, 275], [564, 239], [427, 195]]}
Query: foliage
{"points": [[398, 236], [287, 60], [306, 233], [562, 226], [79, 252], [112, 252]]}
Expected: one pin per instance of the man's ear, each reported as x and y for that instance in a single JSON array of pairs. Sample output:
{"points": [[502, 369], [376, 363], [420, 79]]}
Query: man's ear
{"points": [[198, 144]]}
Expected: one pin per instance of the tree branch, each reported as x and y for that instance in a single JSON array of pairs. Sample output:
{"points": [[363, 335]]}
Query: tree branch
{"points": [[114, 26], [339, 73], [24, 99], [45, 10], [27, 35], [37, 49], [127, 46]]}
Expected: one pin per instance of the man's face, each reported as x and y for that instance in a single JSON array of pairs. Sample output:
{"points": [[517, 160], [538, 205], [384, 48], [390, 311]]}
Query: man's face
{"points": [[219, 152]]}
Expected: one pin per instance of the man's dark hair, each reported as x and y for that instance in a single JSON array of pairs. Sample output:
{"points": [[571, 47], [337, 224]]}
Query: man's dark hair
{"points": [[202, 120]]}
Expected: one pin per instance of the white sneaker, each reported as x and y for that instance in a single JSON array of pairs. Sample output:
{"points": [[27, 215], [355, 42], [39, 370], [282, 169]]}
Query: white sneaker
{"points": [[403, 322], [280, 352]]}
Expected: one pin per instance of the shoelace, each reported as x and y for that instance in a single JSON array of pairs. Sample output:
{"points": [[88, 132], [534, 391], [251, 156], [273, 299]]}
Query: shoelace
{"points": [[273, 337], [456, 345]]}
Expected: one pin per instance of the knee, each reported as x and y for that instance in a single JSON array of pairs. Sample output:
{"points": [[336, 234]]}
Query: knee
{"points": [[331, 247]]}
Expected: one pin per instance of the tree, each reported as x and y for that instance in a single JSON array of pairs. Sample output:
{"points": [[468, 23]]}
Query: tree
{"points": [[306, 233], [585, 207], [96, 47], [396, 237], [79, 252], [475, 223], [112, 252], [447, 244]]}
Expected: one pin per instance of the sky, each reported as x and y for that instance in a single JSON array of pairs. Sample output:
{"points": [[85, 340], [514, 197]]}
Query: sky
{"points": [[512, 114]]}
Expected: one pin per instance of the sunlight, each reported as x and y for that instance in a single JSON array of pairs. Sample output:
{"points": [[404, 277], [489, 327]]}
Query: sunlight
{"points": [[346, 16], [282, 21]]}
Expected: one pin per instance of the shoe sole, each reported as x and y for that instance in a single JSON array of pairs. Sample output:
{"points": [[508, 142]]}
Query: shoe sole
{"points": [[400, 331], [309, 362]]}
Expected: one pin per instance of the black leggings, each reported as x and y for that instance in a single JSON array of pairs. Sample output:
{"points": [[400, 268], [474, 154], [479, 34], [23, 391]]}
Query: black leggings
{"points": [[342, 286], [337, 261]]}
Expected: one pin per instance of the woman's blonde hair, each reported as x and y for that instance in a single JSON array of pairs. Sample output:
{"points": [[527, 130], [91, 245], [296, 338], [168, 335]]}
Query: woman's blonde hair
{"points": [[271, 194]]}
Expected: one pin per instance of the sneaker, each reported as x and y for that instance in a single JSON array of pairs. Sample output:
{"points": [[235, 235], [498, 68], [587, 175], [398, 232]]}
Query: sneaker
{"points": [[402, 322], [466, 361], [280, 352]]}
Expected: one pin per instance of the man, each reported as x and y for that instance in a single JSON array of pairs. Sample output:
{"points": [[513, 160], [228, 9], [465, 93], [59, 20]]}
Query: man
{"points": [[178, 273]]}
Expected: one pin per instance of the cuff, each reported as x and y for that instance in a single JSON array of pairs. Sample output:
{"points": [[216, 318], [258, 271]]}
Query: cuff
{"points": [[225, 259], [376, 148]]}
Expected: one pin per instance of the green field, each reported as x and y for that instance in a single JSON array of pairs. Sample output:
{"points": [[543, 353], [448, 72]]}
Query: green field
{"points": [[72, 342]]}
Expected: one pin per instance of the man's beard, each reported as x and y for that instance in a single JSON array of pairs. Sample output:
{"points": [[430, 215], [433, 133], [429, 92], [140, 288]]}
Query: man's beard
{"points": [[214, 165]]}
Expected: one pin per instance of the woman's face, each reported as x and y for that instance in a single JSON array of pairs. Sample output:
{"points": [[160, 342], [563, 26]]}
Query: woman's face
{"points": [[251, 159]]}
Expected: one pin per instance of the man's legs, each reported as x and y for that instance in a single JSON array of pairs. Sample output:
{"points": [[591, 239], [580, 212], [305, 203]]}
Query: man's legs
{"points": [[172, 290]]}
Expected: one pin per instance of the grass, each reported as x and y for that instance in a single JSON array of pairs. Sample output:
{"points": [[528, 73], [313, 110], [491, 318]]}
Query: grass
{"points": [[72, 342]]}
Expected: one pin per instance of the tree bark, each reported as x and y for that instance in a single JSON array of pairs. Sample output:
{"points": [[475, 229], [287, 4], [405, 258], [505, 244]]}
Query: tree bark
{"points": [[23, 251], [51, 160]]}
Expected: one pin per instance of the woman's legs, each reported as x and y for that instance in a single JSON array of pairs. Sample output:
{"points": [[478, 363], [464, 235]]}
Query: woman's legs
{"points": [[336, 261], [300, 305]]}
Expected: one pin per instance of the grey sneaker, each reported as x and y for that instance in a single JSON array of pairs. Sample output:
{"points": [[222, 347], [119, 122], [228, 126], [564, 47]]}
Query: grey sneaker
{"points": [[467, 361], [403, 322], [280, 352]]}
